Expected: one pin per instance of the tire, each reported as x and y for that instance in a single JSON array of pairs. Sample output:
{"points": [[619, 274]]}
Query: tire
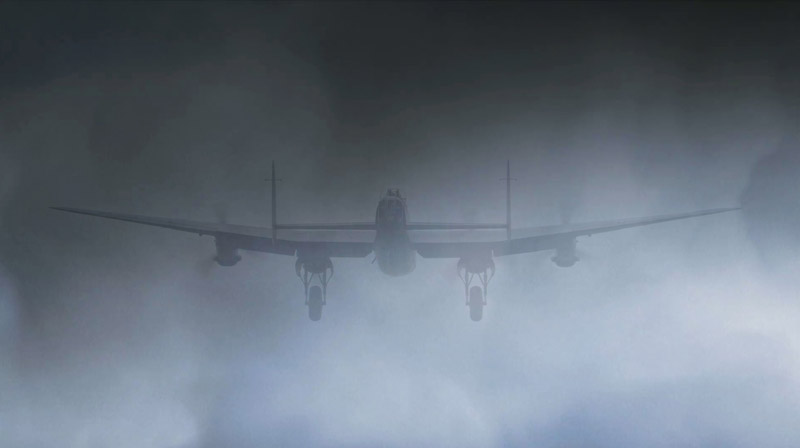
{"points": [[315, 303], [476, 303]]}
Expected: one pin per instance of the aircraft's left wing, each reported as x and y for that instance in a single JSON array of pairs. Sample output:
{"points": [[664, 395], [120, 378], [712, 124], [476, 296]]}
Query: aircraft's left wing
{"points": [[543, 238], [246, 237]]}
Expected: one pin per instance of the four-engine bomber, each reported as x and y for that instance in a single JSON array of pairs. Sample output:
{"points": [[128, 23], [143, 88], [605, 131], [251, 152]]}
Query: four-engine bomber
{"points": [[395, 242]]}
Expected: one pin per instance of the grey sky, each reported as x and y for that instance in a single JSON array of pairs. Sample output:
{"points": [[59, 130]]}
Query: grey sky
{"points": [[683, 334]]}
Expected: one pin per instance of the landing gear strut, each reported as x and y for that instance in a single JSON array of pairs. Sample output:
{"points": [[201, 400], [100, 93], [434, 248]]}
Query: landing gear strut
{"points": [[316, 297], [468, 268]]}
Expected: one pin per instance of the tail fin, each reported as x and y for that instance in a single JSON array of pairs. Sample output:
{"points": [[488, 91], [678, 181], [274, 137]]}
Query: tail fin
{"points": [[508, 199], [274, 204]]}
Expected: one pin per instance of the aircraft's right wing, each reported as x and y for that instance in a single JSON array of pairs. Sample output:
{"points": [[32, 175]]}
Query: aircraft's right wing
{"points": [[246, 237], [544, 238]]}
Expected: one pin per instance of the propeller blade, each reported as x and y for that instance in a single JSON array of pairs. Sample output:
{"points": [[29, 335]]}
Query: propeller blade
{"points": [[221, 212], [205, 266]]}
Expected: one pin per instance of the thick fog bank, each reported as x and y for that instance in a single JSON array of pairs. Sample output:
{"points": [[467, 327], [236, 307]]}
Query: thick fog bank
{"points": [[680, 334]]}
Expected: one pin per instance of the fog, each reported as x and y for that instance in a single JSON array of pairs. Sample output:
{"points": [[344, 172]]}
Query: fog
{"points": [[679, 334]]}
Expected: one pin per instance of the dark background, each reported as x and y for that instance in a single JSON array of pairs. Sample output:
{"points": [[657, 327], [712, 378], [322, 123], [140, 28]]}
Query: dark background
{"points": [[681, 334]]}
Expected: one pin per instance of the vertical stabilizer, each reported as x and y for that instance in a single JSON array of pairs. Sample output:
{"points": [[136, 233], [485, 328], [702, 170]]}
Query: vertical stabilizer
{"points": [[274, 204], [508, 199]]}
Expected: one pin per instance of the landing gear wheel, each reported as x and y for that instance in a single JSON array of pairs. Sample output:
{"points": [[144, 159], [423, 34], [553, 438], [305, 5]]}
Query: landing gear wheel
{"points": [[315, 303], [476, 303], [481, 266], [307, 267]]}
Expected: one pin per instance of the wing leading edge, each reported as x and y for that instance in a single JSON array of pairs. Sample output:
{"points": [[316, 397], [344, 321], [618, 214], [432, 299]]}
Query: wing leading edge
{"points": [[243, 237], [535, 239], [520, 241]]}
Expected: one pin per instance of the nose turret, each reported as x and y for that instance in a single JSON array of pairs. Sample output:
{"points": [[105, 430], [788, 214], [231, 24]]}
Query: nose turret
{"points": [[391, 209], [393, 193]]}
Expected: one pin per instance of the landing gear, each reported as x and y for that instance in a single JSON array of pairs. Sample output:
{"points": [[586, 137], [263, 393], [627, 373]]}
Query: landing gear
{"points": [[476, 302], [308, 268], [483, 267], [315, 303]]}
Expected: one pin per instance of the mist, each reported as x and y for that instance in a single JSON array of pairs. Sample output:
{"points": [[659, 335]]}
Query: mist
{"points": [[678, 334]]}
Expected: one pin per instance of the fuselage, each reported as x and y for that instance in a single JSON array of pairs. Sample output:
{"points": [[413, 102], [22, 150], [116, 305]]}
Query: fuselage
{"points": [[393, 250]]}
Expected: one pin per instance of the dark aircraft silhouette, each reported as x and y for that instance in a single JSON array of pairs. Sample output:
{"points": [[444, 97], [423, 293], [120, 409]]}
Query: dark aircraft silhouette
{"points": [[395, 241]]}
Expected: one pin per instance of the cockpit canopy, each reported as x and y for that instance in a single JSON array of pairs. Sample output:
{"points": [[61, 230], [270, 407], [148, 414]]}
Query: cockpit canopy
{"points": [[391, 209], [393, 192]]}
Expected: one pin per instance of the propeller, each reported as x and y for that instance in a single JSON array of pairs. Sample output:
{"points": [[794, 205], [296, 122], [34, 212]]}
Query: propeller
{"points": [[206, 265], [221, 212], [566, 208]]}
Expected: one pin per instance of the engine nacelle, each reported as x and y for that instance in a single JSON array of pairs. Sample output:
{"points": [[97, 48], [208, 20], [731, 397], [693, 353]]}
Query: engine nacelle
{"points": [[565, 254], [227, 253]]}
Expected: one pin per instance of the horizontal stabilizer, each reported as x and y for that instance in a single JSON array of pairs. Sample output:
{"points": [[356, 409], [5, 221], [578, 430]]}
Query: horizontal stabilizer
{"points": [[452, 226], [329, 226]]}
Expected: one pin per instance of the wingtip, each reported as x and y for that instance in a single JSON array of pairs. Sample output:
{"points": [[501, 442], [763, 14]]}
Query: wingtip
{"points": [[72, 210], [723, 210], [69, 210]]}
